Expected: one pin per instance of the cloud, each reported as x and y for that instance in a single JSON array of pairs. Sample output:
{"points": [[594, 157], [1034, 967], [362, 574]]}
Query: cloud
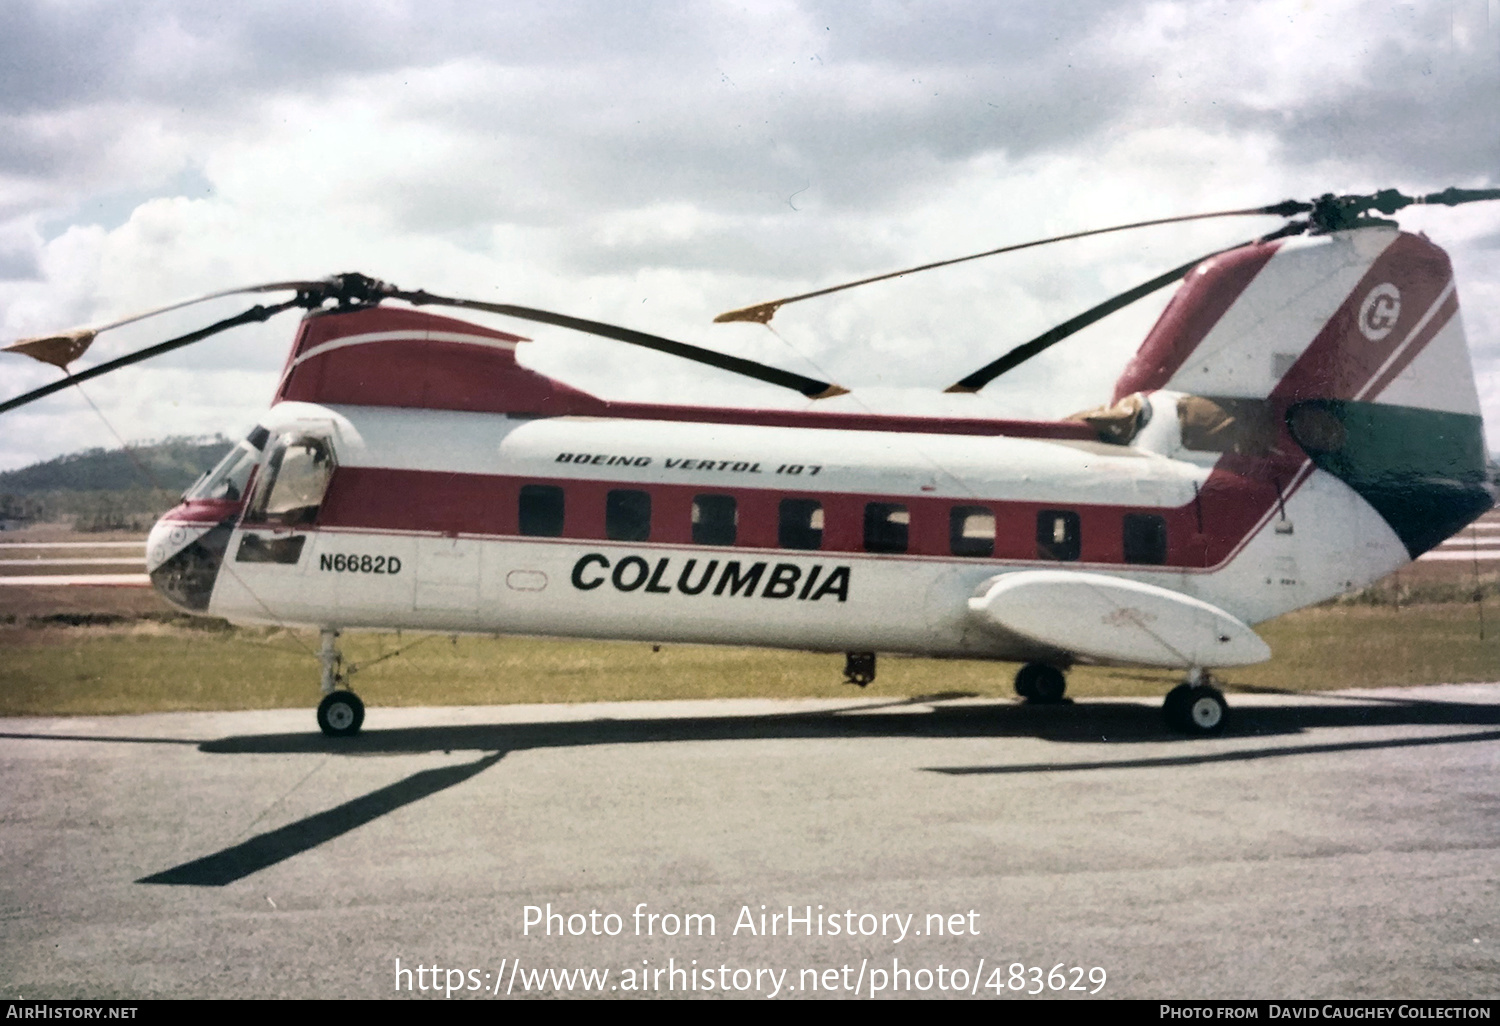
{"points": [[655, 164], [1406, 93]]}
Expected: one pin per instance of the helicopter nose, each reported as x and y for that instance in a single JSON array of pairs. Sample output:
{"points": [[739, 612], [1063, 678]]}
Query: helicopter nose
{"points": [[169, 536], [183, 558]]}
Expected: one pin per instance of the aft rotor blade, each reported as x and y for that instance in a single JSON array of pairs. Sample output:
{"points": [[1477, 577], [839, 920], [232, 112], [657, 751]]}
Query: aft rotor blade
{"points": [[762, 313], [810, 387], [1021, 353], [250, 316], [1452, 197], [1332, 213], [63, 348]]}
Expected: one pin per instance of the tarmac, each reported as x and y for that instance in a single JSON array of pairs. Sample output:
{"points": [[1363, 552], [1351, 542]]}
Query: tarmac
{"points": [[1341, 845]]}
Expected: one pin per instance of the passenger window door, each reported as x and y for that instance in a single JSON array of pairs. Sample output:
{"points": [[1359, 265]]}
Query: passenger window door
{"points": [[971, 531], [1145, 538], [887, 527], [627, 515], [1058, 535], [715, 520], [800, 524], [541, 510]]}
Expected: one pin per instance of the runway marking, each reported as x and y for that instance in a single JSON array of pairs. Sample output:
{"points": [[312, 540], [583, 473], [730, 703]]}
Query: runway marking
{"points": [[76, 545], [58, 580], [102, 561], [86, 737]]}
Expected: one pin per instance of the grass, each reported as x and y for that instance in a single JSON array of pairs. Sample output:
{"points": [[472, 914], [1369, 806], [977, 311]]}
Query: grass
{"points": [[66, 664]]}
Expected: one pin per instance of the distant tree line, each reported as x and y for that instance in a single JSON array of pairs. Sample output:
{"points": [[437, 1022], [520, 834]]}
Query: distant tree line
{"points": [[109, 489], [134, 509]]}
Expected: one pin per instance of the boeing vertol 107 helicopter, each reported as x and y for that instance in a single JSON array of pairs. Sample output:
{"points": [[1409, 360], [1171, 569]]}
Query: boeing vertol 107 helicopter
{"points": [[1301, 421]]}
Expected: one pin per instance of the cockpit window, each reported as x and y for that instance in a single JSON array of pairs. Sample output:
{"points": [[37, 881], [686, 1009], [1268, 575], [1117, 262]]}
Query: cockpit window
{"points": [[295, 478], [228, 479]]}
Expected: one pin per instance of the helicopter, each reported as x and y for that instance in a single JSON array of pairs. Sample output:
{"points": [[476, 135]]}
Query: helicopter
{"points": [[1301, 421]]}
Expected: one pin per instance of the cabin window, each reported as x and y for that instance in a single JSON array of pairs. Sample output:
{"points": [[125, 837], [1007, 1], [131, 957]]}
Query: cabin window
{"points": [[971, 531], [541, 510], [1145, 538], [1058, 535], [715, 520], [296, 476], [887, 525], [799, 524], [255, 548], [627, 515]]}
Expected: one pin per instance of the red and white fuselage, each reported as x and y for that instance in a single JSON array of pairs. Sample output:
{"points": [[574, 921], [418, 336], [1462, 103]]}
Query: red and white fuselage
{"points": [[449, 489]]}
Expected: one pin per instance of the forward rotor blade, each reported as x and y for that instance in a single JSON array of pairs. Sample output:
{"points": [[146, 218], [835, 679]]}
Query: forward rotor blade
{"points": [[275, 286], [250, 316], [63, 348], [1021, 353], [762, 313], [810, 387]]}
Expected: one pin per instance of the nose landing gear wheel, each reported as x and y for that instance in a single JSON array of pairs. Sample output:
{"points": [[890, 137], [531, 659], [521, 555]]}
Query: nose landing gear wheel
{"points": [[1199, 710], [341, 714]]}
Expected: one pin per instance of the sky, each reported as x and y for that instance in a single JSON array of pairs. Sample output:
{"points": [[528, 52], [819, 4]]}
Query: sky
{"points": [[653, 164]]}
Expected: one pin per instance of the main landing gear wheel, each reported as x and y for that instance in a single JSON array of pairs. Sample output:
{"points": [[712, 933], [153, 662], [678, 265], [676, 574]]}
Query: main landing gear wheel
{"points": [[1196, 709], [341, 714], [1038, 682]]}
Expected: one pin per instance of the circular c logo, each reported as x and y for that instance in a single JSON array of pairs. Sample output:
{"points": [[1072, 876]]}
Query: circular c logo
{"points": [[1379, 312]]}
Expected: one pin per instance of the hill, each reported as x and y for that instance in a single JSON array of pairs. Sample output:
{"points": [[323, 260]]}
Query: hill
{"points": [[172, 464], [108, 489]]}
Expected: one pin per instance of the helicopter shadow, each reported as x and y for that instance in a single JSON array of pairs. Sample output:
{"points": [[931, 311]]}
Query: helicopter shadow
{"points": [[1109, 724]]}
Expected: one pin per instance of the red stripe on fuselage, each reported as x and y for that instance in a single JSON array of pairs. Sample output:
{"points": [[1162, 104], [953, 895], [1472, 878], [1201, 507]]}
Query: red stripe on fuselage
{"points": [[372, 498]]}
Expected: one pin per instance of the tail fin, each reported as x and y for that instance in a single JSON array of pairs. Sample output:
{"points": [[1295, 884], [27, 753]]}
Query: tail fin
{"points": [[1351, 346]]}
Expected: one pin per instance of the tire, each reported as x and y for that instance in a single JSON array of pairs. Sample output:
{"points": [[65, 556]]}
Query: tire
{"points": [[1206, 712], [1200, 711], [1038, 682], [1174, 708], [341, 714]]}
